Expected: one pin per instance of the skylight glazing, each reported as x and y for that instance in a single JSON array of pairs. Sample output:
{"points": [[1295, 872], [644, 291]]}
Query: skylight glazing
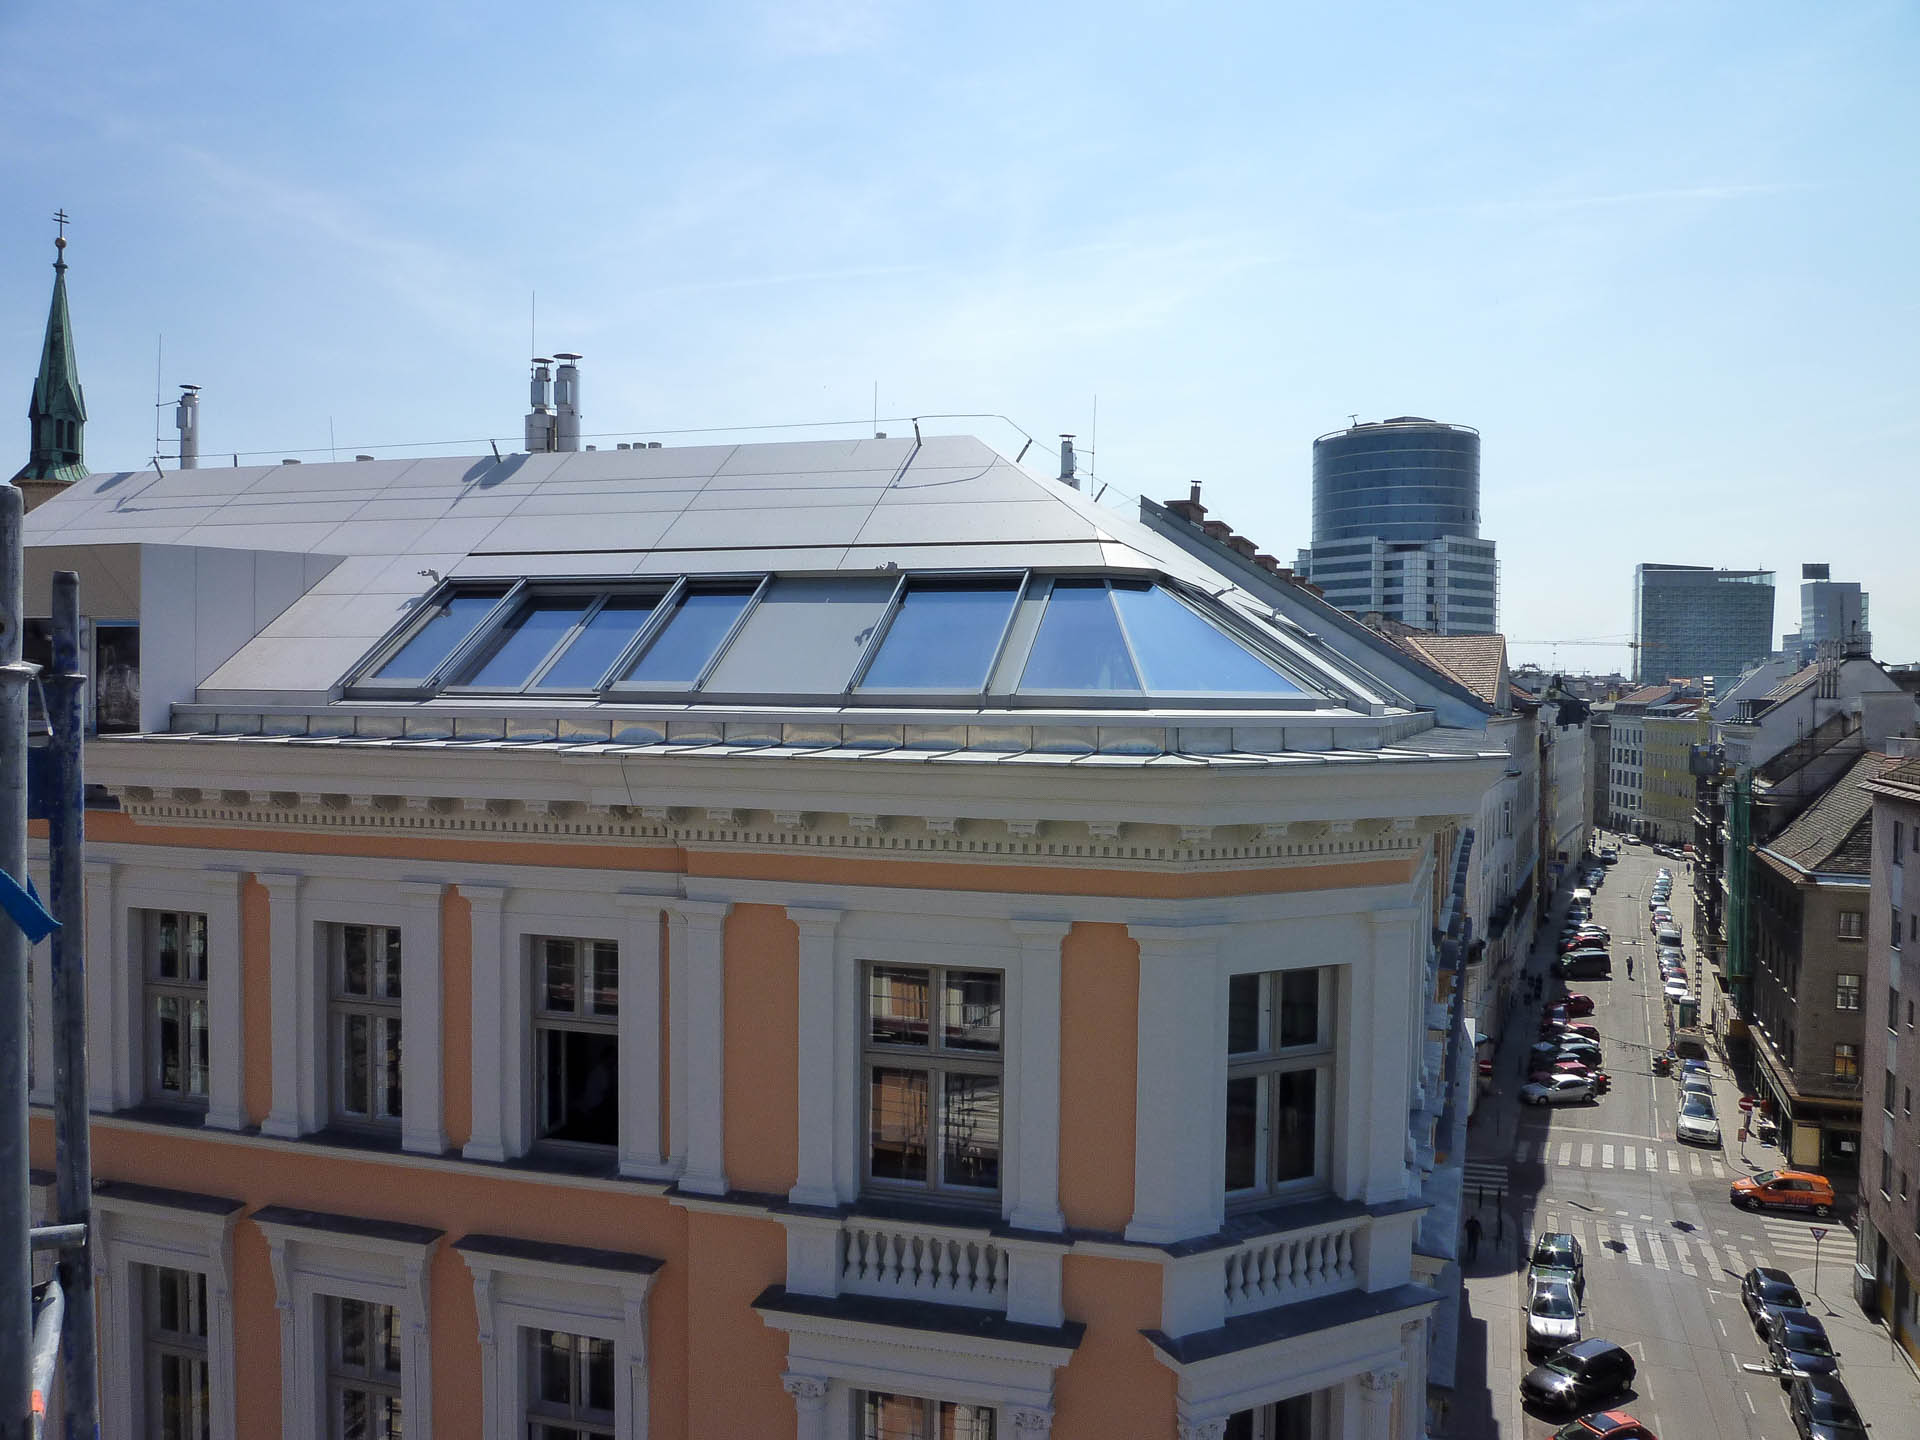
{"points": [[944, 637], [452, 620], [680, 653]]}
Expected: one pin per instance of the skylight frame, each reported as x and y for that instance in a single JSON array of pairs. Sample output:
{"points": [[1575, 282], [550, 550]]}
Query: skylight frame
{"points": [[364, 679], [598, 594], [615, 689], [1022, 580]]}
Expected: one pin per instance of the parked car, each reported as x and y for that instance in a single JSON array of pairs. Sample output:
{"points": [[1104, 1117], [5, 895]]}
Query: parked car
{"points": [[1696, 1123], [1578, 1004], [1607, 1425], [1553, 1317], [1676, 988], [1590, 961], [1585, 1029], [1559, 1090], [1821, 1409], [1766, 1292], [1578, 1375], [1632, 839], [1696, 1084], [1602, 1082], [1667, 935], [1557, 1254], [1798, 1345], [1783, 1190], [1609, 855]]}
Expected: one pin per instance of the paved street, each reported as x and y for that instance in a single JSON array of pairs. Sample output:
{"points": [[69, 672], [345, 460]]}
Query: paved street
{"points": [[1664, 1247]]}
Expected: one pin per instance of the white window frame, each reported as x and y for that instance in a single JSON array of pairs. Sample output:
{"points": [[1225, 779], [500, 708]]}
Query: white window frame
{"points": [[143, 926], [117, 976], [151, 1229], [377, 1010], [582, 1020], [1321, 1058], [311, 1264], [514, 1293]]}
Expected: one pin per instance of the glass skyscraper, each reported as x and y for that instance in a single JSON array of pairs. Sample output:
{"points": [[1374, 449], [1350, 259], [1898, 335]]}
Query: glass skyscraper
{"points": [[1692, 621], [1396, 526]]}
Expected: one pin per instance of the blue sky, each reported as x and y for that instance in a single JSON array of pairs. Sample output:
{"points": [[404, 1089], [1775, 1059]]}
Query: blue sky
{"points": [[1661, 254]]}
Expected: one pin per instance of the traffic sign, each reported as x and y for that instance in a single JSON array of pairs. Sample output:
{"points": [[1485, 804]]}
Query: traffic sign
{"points": [[1746, 1102], [1819, 1232]]}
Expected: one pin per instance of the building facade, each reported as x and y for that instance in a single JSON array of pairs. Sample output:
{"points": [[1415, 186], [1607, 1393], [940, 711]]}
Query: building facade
{"points": [[1696, 621], [1669, 734], [1831, 612], [569, 948], [1890, 1136], [1396, 526]]}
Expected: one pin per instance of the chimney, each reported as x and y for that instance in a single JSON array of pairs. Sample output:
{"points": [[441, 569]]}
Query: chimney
{"points": [[540, 416], [186, 415], [1241, 546], [1189, 509], [1067, 477], [566, 401]]}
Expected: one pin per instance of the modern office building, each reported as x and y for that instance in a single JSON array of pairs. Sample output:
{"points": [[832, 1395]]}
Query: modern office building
{"points": [[1829, 610], [1695, 621], [1396, 526]]}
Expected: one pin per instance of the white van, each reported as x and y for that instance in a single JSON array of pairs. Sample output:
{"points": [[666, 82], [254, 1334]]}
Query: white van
{"points": [[1583, 896], [1667, 935]]}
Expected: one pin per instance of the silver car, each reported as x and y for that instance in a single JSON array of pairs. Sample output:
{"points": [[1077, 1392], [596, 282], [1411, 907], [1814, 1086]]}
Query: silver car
{"points": [[1553, 1317]]}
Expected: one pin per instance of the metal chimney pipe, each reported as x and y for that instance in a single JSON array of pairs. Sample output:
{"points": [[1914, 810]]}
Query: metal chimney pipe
{"points": [[186, 415], [1067, 477], [566, 402], [540, 415]]}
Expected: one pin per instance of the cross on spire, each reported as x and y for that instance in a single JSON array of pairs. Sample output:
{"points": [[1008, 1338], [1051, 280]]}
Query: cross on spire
{"points": [[61, 216]]}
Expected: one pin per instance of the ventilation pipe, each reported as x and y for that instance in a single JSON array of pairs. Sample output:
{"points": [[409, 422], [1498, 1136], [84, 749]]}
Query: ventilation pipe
{"points": [[186, 415], [1067, 477], [566, 402], [540, 415]]}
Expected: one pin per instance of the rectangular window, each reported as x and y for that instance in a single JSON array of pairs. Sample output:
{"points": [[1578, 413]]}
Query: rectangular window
{"points": [[569, 1386], [907, 1417], [1846, 992], [1886, 1175], [174, 945], [364, 965], [1893, 1008], [1896, 927], [174, 1353], [116, 684], [1853, 924], [934, 1089], [1279, 1080], [576, 1040], [363, 1371], [1887, 1099], [1899, 842], [1846, 1061], [1289, 1419]]}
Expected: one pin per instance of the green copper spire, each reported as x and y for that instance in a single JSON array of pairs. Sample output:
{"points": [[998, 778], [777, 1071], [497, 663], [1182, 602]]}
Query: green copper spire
{"points": [[58, 411]]}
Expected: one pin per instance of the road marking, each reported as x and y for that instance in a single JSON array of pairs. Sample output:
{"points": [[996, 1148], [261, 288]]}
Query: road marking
{"points": [[1673, 1163], [1694, 1160], [1630, 1157], [1686, 1265], [1606, 1157], [1657, 1252], [1749, 1399], [1723, 1328], [1586, 1157], [1653, 1159], [1719, 1170], [1566, 1152], [1735, 1263], [1627, 1239]]}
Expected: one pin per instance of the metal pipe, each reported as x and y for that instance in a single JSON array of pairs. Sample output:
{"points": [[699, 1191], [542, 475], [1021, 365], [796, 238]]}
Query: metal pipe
{"points": [[58, 1237], [16, 1198], [46, 1350], [65, 691]]}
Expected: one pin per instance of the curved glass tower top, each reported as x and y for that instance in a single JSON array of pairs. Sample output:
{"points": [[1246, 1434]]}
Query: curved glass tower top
{"points": [[1405, 480]]}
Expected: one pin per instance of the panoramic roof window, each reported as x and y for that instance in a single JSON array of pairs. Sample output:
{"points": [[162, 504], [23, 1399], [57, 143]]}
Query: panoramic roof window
{"points": [[1179, 652], [944, 636], [603, 638], [681, 651], [1079, 645], [452, 621], [803, 638], [517, 647]]}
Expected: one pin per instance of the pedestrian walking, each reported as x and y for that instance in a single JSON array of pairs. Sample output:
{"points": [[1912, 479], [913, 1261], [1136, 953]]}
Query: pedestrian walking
{"points": [[1473, 1237], [1629, 967]]}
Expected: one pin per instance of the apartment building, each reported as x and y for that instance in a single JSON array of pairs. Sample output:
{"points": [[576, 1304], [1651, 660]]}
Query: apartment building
{"points": [[824, 940], [1890, 1136], [1668, 735]]}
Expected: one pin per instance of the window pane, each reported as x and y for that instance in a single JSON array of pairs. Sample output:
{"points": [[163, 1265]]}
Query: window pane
{"points": [[352, 1319], [897, 1005], [606, 978], [592, 653], [170, 1044], [392, 949], [354, 960], [680, 651], [1294, 1118], [899, 1124], [451, 622], [943, 637], [1179, 652], [1243, 1014], [970, 1010], [1299, 1007], [167, 945], [354, 1418], [971, 1131], [581, 1080], [560, 980], [1079, 646], [527, 639], [964, 1422], [803, 638], [197, 1049], [193, 947], [1243, 1132], [390, 1060], [597, 1362], [553, 1368], [353, 1097], [893, 1417]]}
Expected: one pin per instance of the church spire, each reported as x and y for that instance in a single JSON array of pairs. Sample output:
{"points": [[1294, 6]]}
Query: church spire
{"points": [[58, 411]]}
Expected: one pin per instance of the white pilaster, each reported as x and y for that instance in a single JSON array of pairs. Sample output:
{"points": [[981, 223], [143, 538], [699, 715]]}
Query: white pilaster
{"points": [[110, 1010], [1179, 1165], [1384, 1033], [641, 1151], [1377, 1389], [423, 1125], [497, 1000], [821, 1137], [809, 1394], [226, 1013], [706, 1039], [1033, 1076], [299, 1090], [676, 1041]]}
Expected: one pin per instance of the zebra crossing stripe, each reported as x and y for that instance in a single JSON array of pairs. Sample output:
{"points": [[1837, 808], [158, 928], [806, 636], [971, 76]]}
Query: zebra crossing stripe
{"points": [[1735, 1263], [1653, 1158], [1673, 1163], [1680, 1254], [1719, 1170], [1566, 1152], [1627, 1239], [1606, 1157], [1712, 1261], [1658, 1252], [1629, 1157], [1694, 1161], [1586, 1157]]}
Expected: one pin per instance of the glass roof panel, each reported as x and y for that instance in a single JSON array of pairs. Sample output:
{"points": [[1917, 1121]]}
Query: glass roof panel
{"points": [[525, 640], [599, 643], [680, 651], [1079, 645], [452, 622], [943, 637], [803, 638], [1180, 652]]}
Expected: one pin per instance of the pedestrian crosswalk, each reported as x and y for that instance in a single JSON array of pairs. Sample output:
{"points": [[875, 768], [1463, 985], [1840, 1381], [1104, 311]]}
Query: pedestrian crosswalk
{"points": [[1692, 1251], [1571, 1154]]}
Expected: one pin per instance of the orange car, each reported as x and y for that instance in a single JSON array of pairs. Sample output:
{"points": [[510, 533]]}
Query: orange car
{"points": [[1783, 1190]]}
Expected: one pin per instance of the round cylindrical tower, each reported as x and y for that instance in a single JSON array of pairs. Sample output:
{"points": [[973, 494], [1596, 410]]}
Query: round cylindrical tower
{"points": [[1404, 480]]}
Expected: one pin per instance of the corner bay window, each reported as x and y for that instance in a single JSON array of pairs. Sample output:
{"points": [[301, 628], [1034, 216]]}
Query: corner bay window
{"points": [[175, 948], [364, 963], [576, 1040], [569, 1386], [1279, 1080], [174, 1353], [363, 1371], [906, 1417], [933, 1061]]}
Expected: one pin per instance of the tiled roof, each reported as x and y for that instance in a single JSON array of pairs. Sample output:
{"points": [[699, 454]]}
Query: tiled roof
{"points": [[1832, 833], [1646, 695], [1792, 685], [1476, 661]]}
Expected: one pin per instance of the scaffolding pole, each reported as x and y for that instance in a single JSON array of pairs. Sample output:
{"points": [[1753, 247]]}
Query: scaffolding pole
{"points": [[16, 1197]]}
